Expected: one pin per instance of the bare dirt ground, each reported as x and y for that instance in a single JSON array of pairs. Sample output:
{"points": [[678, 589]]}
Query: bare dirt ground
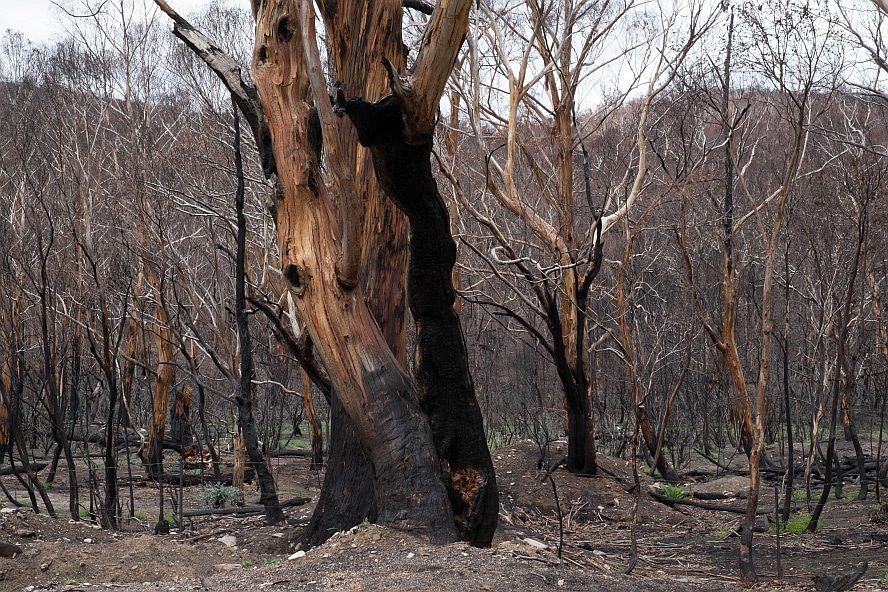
{"points": [[681, 549]]}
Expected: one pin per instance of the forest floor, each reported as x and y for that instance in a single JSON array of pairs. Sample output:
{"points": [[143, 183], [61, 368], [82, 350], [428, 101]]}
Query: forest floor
{"points": [[680, 548]]}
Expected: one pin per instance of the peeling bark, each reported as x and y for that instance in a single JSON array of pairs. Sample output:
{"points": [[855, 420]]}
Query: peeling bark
{"points": [[373, 389]]}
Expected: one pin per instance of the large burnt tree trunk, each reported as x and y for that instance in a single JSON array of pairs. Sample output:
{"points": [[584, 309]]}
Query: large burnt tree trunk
{"points": [[320, 219], [356, 51], [446, 391], [374, 390], [347, 491]]}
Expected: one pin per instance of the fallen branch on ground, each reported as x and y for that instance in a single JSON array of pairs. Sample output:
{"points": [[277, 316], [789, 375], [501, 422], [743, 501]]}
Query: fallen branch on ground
{"points": [[686, 502], [296, 501]]}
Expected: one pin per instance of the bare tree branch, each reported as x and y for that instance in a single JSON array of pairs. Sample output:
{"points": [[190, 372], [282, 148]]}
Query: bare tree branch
{"points": [[230, 73]]}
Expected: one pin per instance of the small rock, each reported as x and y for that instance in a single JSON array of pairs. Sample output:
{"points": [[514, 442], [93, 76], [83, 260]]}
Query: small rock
{"points": [[8, 510], [278, 535], [89, 541], [227, 566], [24, 532], [410, 555], [534, 543], [45, 566], [228, 540], [296, 555]]}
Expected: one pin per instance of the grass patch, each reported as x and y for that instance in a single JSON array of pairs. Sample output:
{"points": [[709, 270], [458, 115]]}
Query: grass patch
{"points": [[246, 563], [799, 494], [272, 560], [797, 523], [218, 495], [674, 492], [140, 515]]}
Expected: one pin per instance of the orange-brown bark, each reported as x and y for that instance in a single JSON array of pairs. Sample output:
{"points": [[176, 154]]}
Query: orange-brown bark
{"points": [[165, 375], [366, 376]]}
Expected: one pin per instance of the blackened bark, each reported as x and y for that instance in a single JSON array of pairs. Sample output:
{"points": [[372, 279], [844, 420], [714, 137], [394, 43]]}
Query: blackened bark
{"points": [[444, 384], [581, 455], [347, 495], [245, 420], [181, 431]]}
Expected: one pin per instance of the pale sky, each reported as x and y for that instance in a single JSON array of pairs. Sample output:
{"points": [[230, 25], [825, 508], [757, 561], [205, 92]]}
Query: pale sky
{"points": [[40, 20]]}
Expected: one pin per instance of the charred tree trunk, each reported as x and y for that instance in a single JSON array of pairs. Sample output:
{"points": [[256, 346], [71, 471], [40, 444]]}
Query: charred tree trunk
{"points": [[347, 491], [374, 390], [321, 255], [245, 420], [181, 431], [446, 390], [357, 52], [577, 397]]}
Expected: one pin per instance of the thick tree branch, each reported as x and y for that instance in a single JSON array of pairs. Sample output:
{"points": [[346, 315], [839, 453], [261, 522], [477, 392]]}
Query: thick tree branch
{"points": [[351, 219], [419, 89], [420, 6]]}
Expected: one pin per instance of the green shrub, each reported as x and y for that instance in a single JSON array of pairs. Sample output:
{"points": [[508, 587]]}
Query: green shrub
{"points": [[218, 495], [797, 523], [674, 492]]}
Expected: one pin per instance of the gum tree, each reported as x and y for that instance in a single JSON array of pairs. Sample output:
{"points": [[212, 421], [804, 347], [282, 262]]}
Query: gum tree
{"points": [[421, 434]]}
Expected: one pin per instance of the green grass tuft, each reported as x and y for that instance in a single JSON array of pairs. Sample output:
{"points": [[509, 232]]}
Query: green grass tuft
{"points": [[674, 492], [797, 523]]}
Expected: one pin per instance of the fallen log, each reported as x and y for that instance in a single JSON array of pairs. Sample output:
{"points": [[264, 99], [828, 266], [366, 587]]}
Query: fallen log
{"points": [[284, 452], [669, 501], [36, 467], [128, 439], [715, 496], [190, 480], [296, 501]]}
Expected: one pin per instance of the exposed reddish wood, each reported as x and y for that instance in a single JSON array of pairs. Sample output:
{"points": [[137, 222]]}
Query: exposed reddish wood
{"points": [[419, 90], [356, 52], [366, 377], [240, 460]]}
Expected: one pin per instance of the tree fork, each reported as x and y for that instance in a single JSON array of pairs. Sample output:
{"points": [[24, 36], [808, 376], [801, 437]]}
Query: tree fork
{"points": [[375, 391]]}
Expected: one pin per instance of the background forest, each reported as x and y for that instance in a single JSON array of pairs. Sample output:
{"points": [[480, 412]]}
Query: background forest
{"points": [[676, 212]]}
